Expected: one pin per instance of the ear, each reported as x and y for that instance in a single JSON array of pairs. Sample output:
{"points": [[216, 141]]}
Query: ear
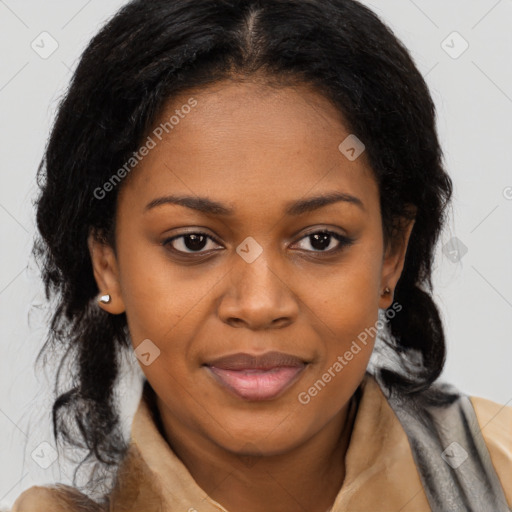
{"points": [[106, 273], [393, 262]]}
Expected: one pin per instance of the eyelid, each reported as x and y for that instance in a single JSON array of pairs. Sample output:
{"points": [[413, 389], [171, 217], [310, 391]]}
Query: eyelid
{"points": [[343, 240], [170, 239], [316, 229]]}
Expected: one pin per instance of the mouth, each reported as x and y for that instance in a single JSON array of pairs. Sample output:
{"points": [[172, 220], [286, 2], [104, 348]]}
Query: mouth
{"points": [[256, 378]]}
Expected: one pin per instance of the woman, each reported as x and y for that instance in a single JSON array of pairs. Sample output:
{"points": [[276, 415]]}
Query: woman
{"points": [[246, 193]]}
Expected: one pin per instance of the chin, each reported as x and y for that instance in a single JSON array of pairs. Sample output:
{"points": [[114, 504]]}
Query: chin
{"points": [[251, 436]]}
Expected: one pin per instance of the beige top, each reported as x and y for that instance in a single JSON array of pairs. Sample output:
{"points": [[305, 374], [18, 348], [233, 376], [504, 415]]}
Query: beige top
{"points": [[380, 470]]}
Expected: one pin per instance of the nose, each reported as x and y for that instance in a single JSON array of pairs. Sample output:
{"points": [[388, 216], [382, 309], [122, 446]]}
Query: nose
{"points": [[257, 297]]}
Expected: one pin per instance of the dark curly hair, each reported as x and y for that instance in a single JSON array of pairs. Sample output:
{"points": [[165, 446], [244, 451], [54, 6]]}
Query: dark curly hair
{"points": [[147, 53]]}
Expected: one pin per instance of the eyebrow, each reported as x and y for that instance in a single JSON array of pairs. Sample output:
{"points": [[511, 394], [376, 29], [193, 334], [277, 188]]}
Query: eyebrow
{"points": [[294, 208]]}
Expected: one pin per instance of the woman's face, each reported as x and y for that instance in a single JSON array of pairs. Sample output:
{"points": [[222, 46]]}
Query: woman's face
{"points": [[277, 248]]}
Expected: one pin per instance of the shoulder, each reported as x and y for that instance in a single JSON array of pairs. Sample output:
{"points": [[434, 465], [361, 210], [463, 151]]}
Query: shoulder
{"points": [[495, 422], [57, 498]]}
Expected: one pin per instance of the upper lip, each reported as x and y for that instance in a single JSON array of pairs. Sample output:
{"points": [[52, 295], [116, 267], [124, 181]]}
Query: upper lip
{"points": [[266, 361]]}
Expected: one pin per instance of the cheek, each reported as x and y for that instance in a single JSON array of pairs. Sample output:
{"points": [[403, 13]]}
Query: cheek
{"points": [[348, 309], [167, 306], [353, 309], [161, 299], [349, 323], [348, 302], [349, 316]]}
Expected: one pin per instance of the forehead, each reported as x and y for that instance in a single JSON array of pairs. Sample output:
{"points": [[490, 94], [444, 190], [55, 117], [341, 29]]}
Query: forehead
{"points": [[236, 141]]}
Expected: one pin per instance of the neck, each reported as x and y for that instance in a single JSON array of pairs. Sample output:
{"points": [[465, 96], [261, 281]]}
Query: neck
{"points": [[308, 477]]}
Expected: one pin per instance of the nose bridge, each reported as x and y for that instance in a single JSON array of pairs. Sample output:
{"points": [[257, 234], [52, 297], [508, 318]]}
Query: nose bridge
{"points": [[256, 278], [258, 297]]}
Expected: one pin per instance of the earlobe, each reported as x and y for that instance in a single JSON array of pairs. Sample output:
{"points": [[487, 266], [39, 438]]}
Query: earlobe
{"points": [[105, 299], [393, 263], [106, 275]]}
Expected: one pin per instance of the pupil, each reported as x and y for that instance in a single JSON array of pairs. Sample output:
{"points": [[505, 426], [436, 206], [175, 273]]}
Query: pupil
{"points": [[320, 240], [195, 242]]}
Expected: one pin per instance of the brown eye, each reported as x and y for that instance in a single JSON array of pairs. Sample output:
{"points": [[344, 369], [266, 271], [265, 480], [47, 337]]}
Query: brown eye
{"points": [[189, 243], [326, 241]]}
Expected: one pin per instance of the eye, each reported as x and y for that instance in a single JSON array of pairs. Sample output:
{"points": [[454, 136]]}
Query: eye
{"points": [[189, 243], [326, 241]]}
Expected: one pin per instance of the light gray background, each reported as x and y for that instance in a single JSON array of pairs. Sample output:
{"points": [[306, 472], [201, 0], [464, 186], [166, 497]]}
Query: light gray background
{"points": [[473, 94]]}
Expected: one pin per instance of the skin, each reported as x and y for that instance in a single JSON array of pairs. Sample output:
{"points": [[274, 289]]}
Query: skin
{"points": [[256, 149]]}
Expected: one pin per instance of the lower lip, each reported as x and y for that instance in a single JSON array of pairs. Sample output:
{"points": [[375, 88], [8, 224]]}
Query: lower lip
{"points": [[257, 385]]}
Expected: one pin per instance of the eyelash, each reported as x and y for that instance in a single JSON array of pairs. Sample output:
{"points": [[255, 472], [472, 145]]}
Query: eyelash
{"points": [[343, 242]]}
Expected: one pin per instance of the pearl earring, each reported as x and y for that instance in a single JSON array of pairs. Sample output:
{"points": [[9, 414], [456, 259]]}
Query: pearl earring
{"points": [[105, 299]]}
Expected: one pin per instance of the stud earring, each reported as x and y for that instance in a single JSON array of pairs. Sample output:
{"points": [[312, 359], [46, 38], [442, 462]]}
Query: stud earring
{"points": [[105, 299], [387, 291]]}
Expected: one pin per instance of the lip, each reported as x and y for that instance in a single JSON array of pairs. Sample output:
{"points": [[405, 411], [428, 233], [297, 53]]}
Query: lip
{"points": [[256, 377], [266, 361]]}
